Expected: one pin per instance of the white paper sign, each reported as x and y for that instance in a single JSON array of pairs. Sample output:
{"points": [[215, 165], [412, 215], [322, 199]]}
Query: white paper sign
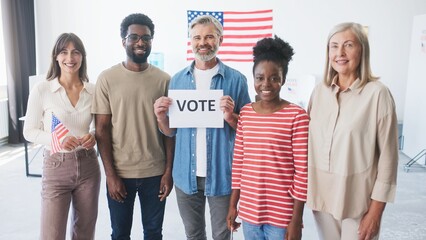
{"points": [[195, 108]]}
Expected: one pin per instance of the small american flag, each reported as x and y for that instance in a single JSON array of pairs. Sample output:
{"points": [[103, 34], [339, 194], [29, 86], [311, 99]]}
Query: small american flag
{"points": [[241, 31], [59, 132]]}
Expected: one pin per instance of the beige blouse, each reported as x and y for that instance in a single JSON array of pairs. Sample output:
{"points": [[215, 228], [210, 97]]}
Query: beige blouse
{"points": [[353, 148]]}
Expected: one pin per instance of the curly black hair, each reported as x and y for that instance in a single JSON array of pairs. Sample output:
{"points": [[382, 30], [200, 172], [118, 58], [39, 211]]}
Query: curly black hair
{"points": [[136, 18], [275, 50]]}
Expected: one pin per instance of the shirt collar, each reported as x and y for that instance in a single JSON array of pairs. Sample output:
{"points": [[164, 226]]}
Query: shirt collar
{"points": [[355, 86], [221, 70], [55, 85], [90, 90]]}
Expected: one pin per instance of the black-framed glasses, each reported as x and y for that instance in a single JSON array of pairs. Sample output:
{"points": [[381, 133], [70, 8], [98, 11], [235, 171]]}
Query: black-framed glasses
{"points": [[135, 38]]}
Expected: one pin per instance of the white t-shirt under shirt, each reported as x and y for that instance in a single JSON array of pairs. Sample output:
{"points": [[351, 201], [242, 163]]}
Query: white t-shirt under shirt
{"points": [[203, 79]]}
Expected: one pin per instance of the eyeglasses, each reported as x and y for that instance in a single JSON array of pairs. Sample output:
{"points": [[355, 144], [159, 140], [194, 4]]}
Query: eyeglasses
{"points": [[135, 38]]}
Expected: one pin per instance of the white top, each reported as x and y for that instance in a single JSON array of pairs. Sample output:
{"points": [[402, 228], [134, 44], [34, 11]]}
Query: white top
{"points": [[203, 79], [49, 97]]}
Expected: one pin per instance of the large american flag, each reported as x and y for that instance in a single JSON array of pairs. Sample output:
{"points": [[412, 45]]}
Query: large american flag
{"points": [[59, 132], [241, 31]]}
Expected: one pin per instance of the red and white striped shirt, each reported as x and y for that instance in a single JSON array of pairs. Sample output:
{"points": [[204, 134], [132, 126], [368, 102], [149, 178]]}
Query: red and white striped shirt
{"points": [[270, 164]]}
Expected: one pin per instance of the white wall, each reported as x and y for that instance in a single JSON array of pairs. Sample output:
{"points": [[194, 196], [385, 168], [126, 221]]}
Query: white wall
{"points": [[415, 111], [3, 79], [303, 23]]}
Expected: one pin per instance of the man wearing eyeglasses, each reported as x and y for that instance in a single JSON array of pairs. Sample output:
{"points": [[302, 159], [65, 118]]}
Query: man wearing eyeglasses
{"points": [[137, 158]]}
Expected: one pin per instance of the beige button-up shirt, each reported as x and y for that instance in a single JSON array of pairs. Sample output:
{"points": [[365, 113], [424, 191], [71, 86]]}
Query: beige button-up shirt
{"points": [[353, 148]]}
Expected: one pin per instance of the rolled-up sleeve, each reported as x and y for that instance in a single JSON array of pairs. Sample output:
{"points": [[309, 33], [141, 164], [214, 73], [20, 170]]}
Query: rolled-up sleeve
{"points": [[387, 141]]}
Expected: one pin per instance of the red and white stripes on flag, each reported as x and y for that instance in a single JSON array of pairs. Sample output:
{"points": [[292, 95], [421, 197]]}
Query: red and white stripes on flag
{"points": [[241, 31], [59, 132]]}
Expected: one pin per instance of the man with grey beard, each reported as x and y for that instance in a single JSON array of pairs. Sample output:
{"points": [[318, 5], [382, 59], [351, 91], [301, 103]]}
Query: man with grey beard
{"points": [[203, 156], [137, 158]]}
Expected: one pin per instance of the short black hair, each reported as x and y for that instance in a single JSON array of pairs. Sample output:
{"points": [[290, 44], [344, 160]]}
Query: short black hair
{"points": [[275, 50], [136, 18]]}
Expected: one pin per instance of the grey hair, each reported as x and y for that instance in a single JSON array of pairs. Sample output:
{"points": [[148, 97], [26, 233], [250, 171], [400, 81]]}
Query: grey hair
{"points": [[364, 69], [207, 19]]}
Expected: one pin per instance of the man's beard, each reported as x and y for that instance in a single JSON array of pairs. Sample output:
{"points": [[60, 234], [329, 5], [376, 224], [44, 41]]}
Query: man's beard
{"points": [[139, 58], [206, 57]]}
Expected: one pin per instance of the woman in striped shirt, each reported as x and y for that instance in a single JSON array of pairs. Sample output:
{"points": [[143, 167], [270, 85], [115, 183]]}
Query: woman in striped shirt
{"points": [[269, 169]]}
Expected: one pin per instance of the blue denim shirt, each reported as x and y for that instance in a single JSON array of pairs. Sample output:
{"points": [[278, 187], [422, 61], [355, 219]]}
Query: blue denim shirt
{"points": [[220, 141]]}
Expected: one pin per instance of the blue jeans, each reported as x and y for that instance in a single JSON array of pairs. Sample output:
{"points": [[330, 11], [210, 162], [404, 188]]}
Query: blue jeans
{"points": [[262, 232], [152, 210]]}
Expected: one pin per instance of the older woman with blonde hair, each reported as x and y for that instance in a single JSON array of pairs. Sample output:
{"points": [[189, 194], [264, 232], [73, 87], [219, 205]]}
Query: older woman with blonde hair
{"points": [[353, 149]]}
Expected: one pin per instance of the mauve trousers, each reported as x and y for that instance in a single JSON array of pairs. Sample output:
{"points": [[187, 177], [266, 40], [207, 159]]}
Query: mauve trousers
{"points": [[70, 177]]}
